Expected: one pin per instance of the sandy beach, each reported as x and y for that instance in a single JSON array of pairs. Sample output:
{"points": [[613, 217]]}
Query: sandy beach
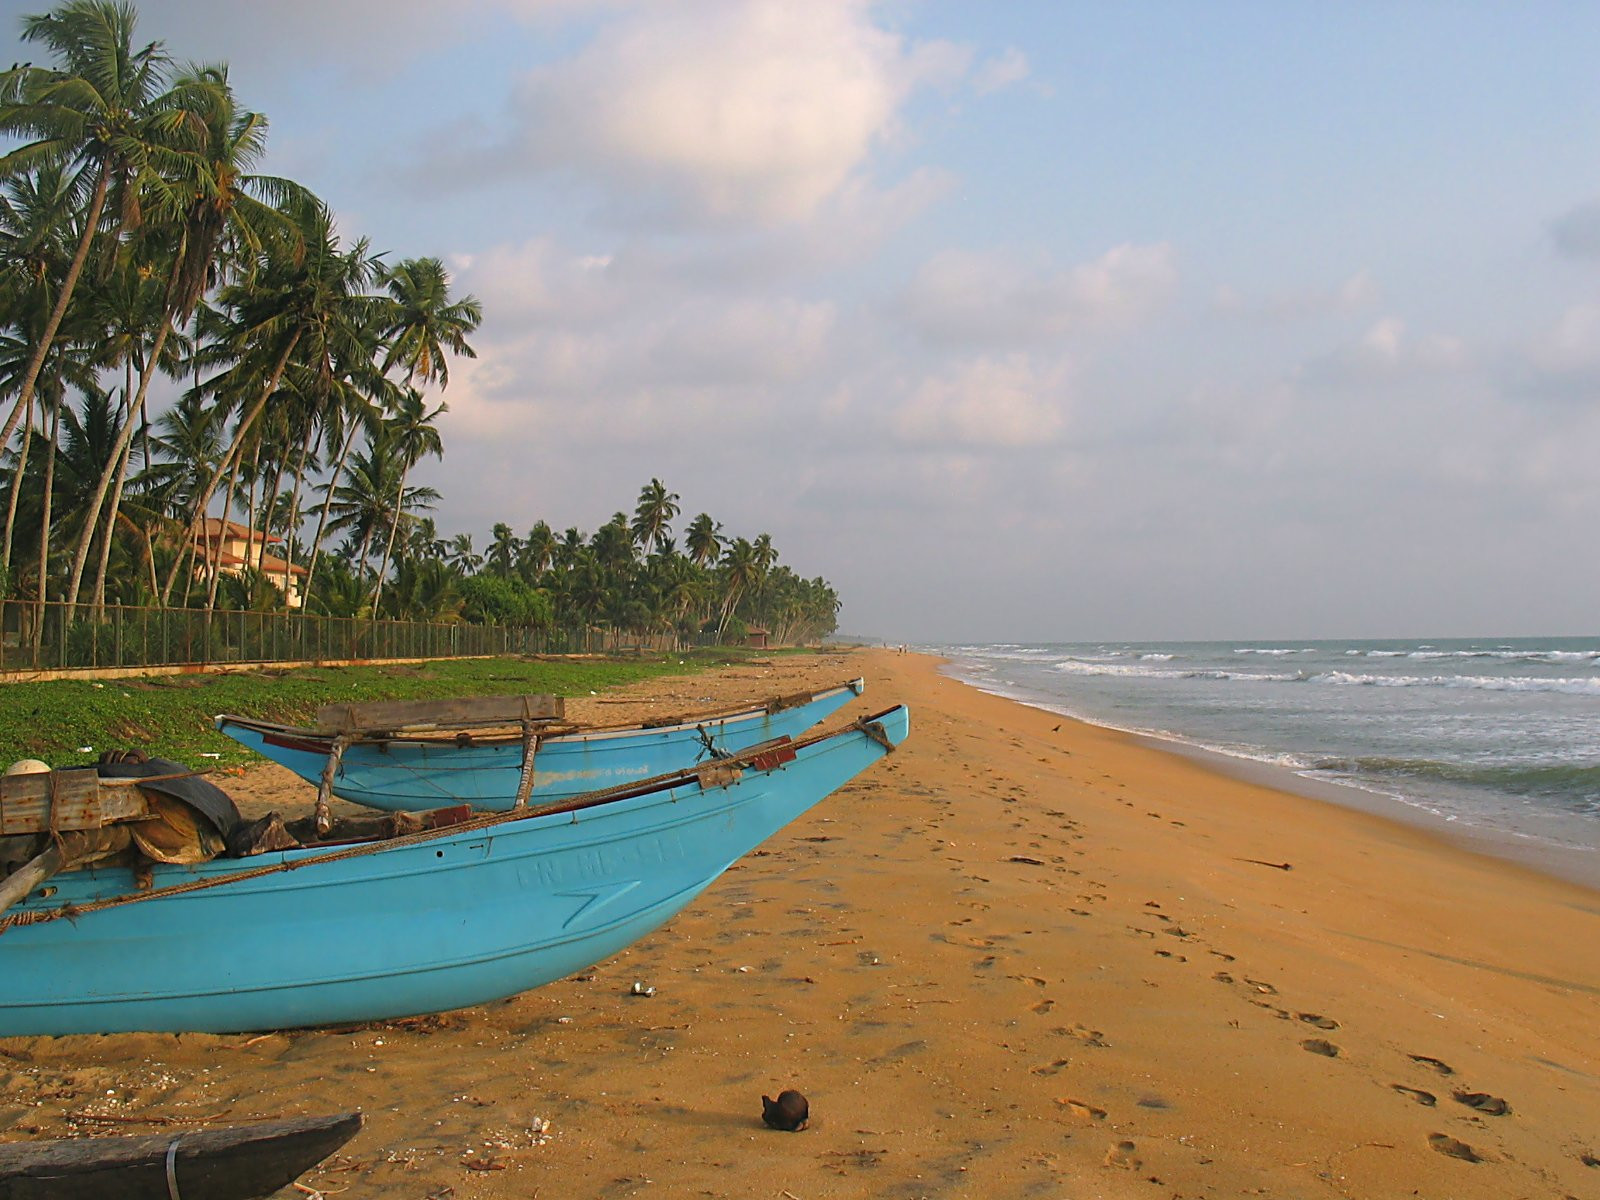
{"points": [[1021, 957]]}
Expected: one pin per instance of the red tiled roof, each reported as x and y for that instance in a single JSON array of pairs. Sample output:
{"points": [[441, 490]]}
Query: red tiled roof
{"points": [[214, 527]]}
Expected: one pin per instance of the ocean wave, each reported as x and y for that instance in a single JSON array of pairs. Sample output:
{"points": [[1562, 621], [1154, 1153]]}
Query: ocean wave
{"points": [[1083, 666], [1275, 653], [1577, 785], [1487, 683]]}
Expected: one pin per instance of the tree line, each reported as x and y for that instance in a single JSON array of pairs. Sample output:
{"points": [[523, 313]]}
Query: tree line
{"points": [[139, 239]]}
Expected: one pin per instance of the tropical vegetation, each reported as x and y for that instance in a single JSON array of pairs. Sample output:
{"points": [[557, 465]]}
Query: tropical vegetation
{"points": [[184, 337]]}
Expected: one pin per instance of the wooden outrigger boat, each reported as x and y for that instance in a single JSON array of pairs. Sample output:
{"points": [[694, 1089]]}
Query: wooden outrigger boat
{"points": [[242, 1162], [448, 916], [404, 756]]}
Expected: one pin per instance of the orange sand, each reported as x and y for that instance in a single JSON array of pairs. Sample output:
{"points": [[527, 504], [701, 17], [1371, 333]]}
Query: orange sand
{"points": [[1022, 957]]}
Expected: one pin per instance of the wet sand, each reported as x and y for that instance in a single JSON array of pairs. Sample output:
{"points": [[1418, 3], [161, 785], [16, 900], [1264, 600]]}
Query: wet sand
{"points": [[1021, 957]]}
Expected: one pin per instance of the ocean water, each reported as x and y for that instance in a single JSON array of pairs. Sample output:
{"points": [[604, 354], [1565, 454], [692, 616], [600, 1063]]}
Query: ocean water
{"points": [[1501, 738]]}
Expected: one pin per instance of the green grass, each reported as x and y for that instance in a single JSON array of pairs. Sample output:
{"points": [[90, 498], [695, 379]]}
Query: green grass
{"points": [[69, 722]]}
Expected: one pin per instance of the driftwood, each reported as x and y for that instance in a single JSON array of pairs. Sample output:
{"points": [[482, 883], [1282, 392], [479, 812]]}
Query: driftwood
{"points": [[238, 1163]]}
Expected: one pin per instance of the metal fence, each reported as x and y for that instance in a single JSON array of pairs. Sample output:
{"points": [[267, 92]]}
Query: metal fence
{"points": [[52, 637]]}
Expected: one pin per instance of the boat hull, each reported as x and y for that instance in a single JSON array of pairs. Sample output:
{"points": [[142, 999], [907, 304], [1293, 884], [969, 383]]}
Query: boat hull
{"points": [[410, 774], [242, 1162], [420, 926]]}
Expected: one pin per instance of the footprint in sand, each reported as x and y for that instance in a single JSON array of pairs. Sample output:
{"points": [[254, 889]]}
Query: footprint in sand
{"points": [[1491, 1106], [1049, 1068], [1317, 1019], [1123, 1155], [1044, 1006], [1079, 1108], [1417, 1094], [1319, 1046], [1089, 1037], [1266, 989], [1222, 977], [1445, 1144], [1443, 1068]]}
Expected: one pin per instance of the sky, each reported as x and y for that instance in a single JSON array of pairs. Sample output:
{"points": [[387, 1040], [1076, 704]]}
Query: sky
{"points": [[1016, 321]]}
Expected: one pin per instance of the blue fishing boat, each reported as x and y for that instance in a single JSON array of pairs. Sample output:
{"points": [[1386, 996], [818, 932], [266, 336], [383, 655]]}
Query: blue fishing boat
{"points": [[434, 920], [418, 768]]}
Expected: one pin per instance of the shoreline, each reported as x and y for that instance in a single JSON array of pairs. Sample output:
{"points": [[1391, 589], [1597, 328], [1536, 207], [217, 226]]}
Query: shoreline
{"points": [[1022, 955], [1545, 855]]}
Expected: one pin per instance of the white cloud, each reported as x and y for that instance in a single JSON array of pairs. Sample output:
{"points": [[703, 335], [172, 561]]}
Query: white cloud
{"points": [[1001, 71], [1359, 291], [606, 346], [1572, 345], [986, 402], [727, 111], [1387, 351], [988, 298]]}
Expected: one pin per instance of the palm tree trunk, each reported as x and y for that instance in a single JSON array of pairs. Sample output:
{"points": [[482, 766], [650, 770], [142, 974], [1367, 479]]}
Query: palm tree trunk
{"points": [[394, 528], [44, 527], [294, 508], [366, 550], [250, 507], [203, 498], [270, 507], [11, 502], [114, 465], [216, 545], [110, 531], [322, 521], [30, 378], [116, 504]]}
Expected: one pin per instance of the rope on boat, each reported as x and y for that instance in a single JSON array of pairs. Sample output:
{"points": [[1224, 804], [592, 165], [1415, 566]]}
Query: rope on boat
{"points": [[866, 726]]}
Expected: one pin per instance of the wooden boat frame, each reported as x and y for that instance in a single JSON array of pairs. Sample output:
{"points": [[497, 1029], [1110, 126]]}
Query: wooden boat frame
{"points": [[385, 739]]}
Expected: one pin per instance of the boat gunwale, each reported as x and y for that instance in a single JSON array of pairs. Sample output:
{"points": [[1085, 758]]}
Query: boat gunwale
{"points": [[220, 872], [321, 741]]}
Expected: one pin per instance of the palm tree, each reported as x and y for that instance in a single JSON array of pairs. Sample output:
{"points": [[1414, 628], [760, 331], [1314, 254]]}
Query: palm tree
{"points": [[652, 518], [741, 573], [568, 549], [126, 306], [504, 549], [462, 556], [307, 299], [36, 220], [410, 435], [704, 540], [368, 504], [99, 110], [216, 222], [352, 398], [423, 322], [538, 551]]}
